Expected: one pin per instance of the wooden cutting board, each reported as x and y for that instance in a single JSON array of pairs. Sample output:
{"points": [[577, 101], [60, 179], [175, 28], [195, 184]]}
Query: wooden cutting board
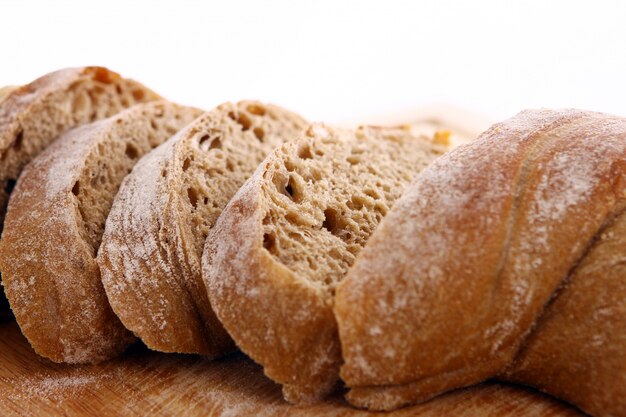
{"points": [[145, 383]]}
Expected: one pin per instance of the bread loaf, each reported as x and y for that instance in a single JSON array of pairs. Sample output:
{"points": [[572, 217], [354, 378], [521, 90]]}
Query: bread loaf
{"points": [[505, 258], [54, 226], [288, 237], [150, 255]]}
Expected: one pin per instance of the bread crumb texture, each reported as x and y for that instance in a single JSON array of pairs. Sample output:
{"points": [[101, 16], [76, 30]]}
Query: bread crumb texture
{"points": [[290, 234], [152, 247]]}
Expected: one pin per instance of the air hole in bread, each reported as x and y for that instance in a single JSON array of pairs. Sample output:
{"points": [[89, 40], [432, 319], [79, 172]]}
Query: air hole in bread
{"points": [[269, 242], [187, 163], [333, 221], [353, 160], [315, 174], [259, 133], [103, 75], [241, 119], [289, 189], [229, 165], [305, 152], [131, 151], [372, 193], [289, 165], [164, 173], [192, 194], [76, 188], [244, 121], [153, 125], [138, 94], [215, 143], [293, 189], [256, 109], [19, 139], [119, 90], [10, 185]]}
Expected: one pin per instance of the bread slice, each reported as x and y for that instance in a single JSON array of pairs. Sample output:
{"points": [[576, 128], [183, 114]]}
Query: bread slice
{"points": [[54, 226], [151, 250], [274, 257], [32, 116]]}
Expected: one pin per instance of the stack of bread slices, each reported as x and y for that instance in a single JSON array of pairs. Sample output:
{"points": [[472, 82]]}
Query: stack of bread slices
{"points": [[110, 194], [125, 216]]}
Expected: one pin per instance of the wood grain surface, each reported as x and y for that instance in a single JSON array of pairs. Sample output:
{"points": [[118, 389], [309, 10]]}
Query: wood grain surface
{"points": [[145, 383]]}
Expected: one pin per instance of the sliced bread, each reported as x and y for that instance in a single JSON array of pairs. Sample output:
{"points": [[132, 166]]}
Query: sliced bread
{"points": [[152, 245], [32, 116], [273, 259], [54, 226]]}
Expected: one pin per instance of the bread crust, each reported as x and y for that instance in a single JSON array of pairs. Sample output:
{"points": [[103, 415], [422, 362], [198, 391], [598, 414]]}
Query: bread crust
{"points": [[279, 317], [477, 265], [33, 115], [48, 253], [5, 91], [150, 251]]}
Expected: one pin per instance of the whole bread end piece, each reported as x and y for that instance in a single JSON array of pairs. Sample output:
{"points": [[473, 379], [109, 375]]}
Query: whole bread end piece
{"points": [[503, 259]]}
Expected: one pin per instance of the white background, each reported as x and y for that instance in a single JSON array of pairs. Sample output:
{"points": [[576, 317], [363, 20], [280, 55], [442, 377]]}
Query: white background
{"points": [[332, 60]]}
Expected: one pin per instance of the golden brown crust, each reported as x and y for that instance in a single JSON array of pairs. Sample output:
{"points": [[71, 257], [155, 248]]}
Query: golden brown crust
{"points": [[240, 274], [53, 226], [577, 349], [5, 91], [459, 273]]}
